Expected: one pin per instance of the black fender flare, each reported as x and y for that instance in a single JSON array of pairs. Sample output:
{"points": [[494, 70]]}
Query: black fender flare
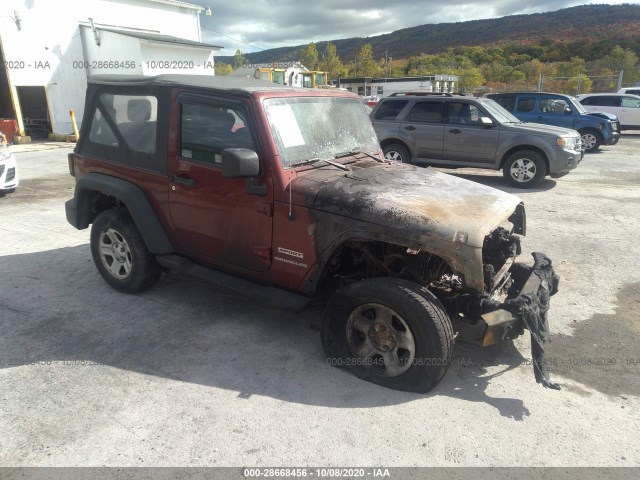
{"points": [[79, 209]]}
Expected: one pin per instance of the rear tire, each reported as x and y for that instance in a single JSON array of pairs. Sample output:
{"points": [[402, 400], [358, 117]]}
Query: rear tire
{"points": [[591, 139], [120, 254], [388, 331], [397, 153], [524, 169]]}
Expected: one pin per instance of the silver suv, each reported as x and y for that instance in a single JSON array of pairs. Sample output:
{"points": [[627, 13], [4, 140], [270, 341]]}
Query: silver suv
{"points": [[458, 131]]}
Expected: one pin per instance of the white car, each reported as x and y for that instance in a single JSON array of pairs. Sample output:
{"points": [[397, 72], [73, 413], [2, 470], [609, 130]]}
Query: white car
{"points": [[625, 106], [631, 90], [8, 170]]}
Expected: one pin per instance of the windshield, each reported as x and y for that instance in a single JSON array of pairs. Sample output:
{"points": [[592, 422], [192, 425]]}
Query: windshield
{"points": [[308, 128], [499, 112]]}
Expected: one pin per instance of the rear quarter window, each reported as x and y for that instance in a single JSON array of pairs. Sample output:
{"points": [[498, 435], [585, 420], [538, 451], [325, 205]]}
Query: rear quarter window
{"points": [[123, 129], [389, 110], [136, 119]]}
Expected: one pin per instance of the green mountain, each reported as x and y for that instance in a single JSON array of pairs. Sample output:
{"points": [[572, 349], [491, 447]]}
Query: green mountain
{"points": [[598, 26]]}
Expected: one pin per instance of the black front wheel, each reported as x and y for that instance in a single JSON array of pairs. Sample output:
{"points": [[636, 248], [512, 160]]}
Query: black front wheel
{"points": [[397, 153], [591, 139], [524, 169], [120, 254], [388, 331]]}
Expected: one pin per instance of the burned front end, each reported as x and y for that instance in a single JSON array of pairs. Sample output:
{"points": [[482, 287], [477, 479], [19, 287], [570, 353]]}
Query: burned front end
{"points": [[515, 296]]}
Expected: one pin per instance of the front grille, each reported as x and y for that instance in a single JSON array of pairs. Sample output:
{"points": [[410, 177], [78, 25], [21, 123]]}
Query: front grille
{"points": [[11, 174]]}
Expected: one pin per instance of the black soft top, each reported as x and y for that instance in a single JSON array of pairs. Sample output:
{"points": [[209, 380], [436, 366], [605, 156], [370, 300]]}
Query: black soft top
{"points": [[238, 85]]}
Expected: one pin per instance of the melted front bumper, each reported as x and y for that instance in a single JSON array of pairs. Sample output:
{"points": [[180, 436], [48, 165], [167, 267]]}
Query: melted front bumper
{"points": [[525, 306]]}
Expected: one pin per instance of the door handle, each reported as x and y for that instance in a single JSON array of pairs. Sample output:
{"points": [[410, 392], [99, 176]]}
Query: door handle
{"points": [[455, 130], [187, 182], [410, 128]]}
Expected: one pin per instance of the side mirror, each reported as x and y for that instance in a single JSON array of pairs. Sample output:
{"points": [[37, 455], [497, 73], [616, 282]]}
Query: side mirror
{"points": [[486, 122], [240, 163], [568, 110]]}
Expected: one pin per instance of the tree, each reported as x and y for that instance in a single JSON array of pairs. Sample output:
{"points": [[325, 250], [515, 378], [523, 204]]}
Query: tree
{"points": [[579, 84], [309, 56], [621, 59], [239, 59], [331, 62], [222, 68], [366, 65], [469, 79]]}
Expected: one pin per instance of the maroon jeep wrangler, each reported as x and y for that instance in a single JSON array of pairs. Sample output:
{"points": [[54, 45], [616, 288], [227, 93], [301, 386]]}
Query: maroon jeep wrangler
{"points": [[283, 193]]}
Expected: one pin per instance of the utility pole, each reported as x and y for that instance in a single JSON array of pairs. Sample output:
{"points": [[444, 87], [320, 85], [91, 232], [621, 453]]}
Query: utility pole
{"points": [[620, 79]]}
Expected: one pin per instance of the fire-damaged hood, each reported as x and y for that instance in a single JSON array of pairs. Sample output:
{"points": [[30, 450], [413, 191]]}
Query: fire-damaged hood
{"points": [[424, 204]]}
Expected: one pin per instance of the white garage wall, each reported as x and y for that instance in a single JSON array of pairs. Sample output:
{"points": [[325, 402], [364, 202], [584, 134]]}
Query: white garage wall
{"points": [[48, 50]]}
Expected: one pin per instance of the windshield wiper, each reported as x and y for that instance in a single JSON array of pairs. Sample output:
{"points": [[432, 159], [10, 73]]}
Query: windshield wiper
{"points": [[355, 150], [318, 159]]}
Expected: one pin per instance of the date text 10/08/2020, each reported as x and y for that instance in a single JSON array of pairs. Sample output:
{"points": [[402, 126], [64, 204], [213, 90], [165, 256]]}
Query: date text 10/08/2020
{"points": [[111, 64]]}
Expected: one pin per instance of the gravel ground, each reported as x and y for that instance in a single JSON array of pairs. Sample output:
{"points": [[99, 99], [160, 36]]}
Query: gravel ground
{"points": [[187, 374]]}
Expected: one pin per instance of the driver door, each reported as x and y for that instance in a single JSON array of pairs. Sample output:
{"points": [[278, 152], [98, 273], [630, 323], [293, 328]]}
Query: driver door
{"points": [[216, 219]]}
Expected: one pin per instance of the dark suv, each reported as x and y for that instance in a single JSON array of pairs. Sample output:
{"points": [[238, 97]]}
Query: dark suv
{"points": [[282, 194], [457, 131], [562, 111]]}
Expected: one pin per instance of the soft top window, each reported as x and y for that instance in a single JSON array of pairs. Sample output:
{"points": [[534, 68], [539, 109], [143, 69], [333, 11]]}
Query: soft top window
{"points": [[135, 117]]}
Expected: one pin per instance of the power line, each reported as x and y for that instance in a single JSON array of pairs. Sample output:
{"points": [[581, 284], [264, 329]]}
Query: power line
{"points": [[234, 39]]}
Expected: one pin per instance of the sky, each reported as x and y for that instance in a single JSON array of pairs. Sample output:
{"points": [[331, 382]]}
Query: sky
{"points": [[265, 24]]}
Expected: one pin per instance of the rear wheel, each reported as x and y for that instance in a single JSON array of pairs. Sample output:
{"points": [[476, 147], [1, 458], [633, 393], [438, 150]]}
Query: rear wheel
{"points": [[397, 153], [120, 254], [524, 169], [591, 139], [390, 332]]}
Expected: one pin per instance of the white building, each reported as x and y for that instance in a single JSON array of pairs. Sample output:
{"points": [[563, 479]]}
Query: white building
{"points": [[284, 73], [48, 48], [383, 87]]}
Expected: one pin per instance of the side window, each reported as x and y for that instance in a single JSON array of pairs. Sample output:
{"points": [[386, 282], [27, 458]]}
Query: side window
{"points": [[553, 105], [206, 130], [459, 113], [426, 112], [136, 117], [506, 101], [101, 131], [389, 110], [605, 101], [526, 104], [380, 90], [630, 102], [612, 101]]}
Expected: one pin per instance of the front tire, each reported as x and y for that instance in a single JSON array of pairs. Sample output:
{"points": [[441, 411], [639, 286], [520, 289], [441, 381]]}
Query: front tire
{"points": [[397, 153], [524, 169], [591, 139], [120, 254], [388, 331]]}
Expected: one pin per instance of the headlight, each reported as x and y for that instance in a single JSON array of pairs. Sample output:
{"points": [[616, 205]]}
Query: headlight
{"points": [[567, 142], [4, 153]]}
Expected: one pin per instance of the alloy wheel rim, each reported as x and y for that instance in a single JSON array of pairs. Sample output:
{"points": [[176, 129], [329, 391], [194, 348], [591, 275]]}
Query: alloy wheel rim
{"points": [[115, 254], [523, 170], [393, 156], [588, 141], [380, 339]]}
